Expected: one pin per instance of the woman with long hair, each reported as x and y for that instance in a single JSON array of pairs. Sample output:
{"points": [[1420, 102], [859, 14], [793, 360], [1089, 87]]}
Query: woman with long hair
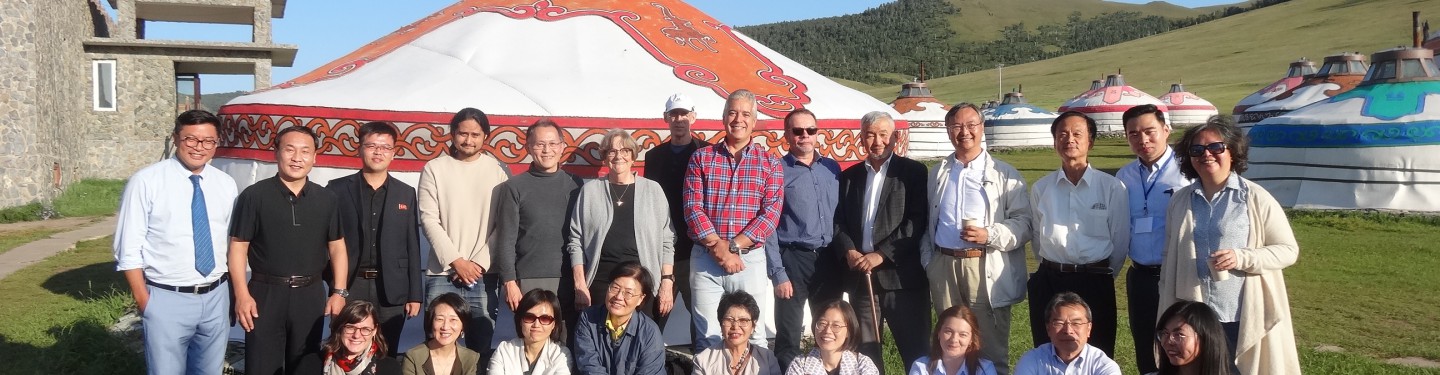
{"points": [[1191, 341], [954, 347], [540, 348], [355, 345]]}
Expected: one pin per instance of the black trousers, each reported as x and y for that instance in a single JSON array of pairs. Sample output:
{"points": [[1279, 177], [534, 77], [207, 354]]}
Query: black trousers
{"points": [[1142, 291], [898, 309], [1098, 290], [389, 318], [288, 328], [814, 278]]}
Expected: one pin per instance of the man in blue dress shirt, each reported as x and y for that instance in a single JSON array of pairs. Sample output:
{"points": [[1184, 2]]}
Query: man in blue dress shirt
{"points": [[1150, 180], [172, 251], [1068, 320], [809, 271]]}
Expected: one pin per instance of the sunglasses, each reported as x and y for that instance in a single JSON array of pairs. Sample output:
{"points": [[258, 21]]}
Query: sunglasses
{"points": [[545, 320], [803, 131], [1216, 148]]}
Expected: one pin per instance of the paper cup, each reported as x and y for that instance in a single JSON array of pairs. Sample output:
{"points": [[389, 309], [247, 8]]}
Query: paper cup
{"points": [[1216, 274], [971, 223]]}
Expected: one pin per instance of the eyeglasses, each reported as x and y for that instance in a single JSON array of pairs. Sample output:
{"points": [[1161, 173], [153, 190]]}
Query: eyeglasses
{"points": [[732, 321], [827, 326], [544, 320], [803, 131], [364, 331], [971, 126], [1061, 324], [624, 151], [376, 147], [1216, 148], [542, 145], [1171, 337], [205, 144], [627, 293]]}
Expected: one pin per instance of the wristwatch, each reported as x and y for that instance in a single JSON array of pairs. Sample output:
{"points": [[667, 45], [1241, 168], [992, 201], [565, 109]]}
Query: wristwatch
{"points": [[341, 292], [735, 248], [670, 277]]}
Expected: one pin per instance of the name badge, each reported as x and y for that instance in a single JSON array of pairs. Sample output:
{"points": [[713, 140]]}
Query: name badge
{"points": [[1143, 225]]}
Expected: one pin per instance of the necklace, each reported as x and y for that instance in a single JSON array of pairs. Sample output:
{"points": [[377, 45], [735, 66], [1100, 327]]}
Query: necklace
{"points": [[620, 198], [738, 366]]}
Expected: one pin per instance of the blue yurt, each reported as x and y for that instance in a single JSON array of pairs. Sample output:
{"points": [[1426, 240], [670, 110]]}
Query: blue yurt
{"points": [[1016, 123]]}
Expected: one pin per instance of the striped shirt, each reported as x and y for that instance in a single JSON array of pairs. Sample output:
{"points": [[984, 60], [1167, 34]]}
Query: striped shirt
{"points": [[729, 197]]}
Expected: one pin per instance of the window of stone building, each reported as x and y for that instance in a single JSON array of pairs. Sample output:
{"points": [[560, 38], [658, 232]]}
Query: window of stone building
{"points": [[102, 79]]}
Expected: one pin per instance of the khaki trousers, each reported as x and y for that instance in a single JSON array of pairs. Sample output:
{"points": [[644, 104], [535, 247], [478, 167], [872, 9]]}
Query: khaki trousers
{"points": [[959, 281]]}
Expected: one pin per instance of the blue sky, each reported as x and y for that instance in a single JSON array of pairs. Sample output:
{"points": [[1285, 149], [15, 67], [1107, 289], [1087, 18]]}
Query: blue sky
{"points": [[324, 30]]}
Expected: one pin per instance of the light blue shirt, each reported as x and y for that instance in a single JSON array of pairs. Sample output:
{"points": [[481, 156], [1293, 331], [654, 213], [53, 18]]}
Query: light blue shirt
{"points": [[1149, 190], [153, 229], [1221, 223], [965, 200], [922, 367], [1043, 361]]}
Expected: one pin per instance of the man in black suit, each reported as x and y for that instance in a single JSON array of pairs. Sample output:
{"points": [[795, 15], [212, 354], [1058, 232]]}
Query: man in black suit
{"points": [[878, 225], [378, 215]]}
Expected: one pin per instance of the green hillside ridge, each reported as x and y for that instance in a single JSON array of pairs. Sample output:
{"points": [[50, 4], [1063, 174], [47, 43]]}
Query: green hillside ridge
{"points": [[1222, 61], [982, 20]]}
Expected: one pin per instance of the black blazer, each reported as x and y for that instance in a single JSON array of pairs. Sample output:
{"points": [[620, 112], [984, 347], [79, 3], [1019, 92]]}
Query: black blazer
{"points": [[899, 221], [399, 258]]}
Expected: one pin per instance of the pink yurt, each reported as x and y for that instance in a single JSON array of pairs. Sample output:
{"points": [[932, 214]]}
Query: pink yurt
{"points": [[1296, 74], [1340, 73], [1186, 108], [1094, 86], [1108, 104]]}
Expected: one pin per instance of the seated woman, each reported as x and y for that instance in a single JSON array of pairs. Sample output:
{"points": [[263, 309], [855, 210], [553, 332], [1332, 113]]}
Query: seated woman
{"points": [[834, 351], [1192, 341], [355, 346], [445, 319], [955, 347], [610, 338], [538, 350], [736, 355]]}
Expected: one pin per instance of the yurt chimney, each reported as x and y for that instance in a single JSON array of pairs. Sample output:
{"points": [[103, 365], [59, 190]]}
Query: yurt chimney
{"points": [[1419, 34]]}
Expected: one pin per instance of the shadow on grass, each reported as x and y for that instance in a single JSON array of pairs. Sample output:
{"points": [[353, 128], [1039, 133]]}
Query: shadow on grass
{"points": [[87, 283], [82, 348]]}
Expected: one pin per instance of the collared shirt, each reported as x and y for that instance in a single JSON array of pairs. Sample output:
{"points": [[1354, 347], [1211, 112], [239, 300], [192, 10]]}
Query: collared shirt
{"points": [[729, 197], [1221, 223], [1149, 191], [851, 363], [154, 231], [811, 194], [288, 233], [1080, 223], [965, 200], [1043, 361], [923, 365], [874, 181], [371, 213]]}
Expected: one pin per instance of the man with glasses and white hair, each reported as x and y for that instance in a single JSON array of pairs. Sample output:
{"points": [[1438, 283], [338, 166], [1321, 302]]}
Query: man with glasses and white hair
{"points": [[530, 219], [1067, 322]]}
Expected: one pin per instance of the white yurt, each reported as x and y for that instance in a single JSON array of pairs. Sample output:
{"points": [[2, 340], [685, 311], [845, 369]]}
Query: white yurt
{"points": [[1340, 73], [926, 116], [1186, 108], [590, 66], [1294, 76], [1372, 147], [1108, 104], [1094, 86], [1016, 123]]}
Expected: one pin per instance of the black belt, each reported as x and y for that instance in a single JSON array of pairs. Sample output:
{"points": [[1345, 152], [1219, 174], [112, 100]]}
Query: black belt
{"points": [[1101, 267], [367, 273], [1154, 270], [197, 289], [799, 247], [290, 281]]}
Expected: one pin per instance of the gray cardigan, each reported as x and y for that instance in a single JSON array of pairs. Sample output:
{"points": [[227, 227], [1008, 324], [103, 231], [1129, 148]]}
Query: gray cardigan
{"points": [[590, 222]]}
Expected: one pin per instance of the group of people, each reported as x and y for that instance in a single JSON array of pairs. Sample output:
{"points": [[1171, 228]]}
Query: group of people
{"points": [[544, 272]]}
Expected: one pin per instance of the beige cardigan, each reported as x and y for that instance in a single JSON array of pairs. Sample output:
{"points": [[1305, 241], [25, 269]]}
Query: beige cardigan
{"points": [[1267, 338]]}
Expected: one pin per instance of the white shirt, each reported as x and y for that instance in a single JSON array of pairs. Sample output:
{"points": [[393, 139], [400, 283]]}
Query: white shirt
{"points": [[153, 231], [874, 181], [1081, 223], [965, 201]]}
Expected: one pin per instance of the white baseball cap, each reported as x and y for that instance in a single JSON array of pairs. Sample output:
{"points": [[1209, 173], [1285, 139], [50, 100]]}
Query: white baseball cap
{"points": [[679, 101]]}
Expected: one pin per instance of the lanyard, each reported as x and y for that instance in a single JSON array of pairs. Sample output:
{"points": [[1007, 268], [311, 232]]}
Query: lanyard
{"points": [[1156, 181]]}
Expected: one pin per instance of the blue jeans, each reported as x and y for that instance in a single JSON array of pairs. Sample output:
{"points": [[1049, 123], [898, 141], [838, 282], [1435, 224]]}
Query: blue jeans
{"points": [[709, 282], [483, 302], [186, 333]]}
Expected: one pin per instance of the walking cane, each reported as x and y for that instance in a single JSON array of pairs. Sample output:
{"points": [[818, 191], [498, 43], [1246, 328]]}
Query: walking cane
{"points": [[874, 307]]}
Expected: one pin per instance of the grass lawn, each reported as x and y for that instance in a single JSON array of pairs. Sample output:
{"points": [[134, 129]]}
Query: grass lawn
{"points": [[12, 239], [94, 197], [56, 313]]}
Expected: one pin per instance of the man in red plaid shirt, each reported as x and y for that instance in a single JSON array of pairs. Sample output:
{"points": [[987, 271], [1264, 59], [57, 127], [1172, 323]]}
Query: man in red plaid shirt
{"points": [[733, 192]]}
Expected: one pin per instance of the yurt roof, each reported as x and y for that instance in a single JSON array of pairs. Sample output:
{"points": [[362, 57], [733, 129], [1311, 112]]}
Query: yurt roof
{"points": [[1179, 99], [1116, 96], [916, 103], [1016, 110]]}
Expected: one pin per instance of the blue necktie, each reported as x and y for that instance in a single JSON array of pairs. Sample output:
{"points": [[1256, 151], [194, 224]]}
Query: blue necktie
{"points": [[200, 225]]}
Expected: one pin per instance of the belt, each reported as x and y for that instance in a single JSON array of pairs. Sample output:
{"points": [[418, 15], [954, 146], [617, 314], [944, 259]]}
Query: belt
{"points": [[290, 281], [800, 247], [1147, 269], [197, 289], [973, 252], [1101, 267], [367, 273]]}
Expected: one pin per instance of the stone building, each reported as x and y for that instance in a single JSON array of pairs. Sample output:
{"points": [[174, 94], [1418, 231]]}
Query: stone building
{"points": [[83, 95]]}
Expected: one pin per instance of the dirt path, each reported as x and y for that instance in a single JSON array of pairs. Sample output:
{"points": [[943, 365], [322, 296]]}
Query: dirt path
{"points": [[63, 223]]}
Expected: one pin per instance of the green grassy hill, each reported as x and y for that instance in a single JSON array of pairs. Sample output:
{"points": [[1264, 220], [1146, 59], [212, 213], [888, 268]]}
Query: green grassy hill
{"points": [[982, 20], [1222, 60]]}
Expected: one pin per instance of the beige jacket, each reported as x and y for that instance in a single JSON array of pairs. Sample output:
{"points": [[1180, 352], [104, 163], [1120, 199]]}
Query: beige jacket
{"points": [[455, 210], [1007, 218], [1267, 338]]}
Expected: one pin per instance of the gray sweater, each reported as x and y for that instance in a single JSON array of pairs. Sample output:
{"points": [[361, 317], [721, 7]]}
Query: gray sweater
{"points": [[530, 223], [590, 222]]}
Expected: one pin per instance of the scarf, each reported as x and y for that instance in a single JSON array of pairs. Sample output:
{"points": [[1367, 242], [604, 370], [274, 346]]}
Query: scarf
{"points": [[344, 366]]}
